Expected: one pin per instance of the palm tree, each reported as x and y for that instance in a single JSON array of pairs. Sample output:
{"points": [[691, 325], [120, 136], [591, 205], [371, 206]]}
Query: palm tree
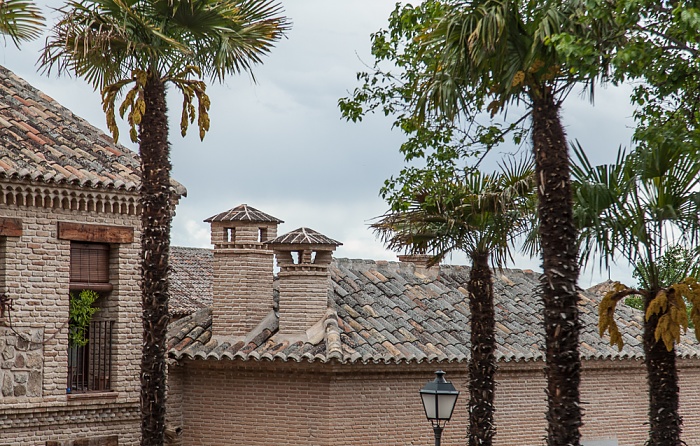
{"points": [[21, 20], [480, 215], [643, 207], [494, 56], [148, 44]]}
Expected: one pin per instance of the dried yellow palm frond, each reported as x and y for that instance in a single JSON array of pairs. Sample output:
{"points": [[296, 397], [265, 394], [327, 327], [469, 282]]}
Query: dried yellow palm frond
{"points": [[690, 290], [670, 305], [658, 305], [606, 312], [536, 66], [518, 79]]}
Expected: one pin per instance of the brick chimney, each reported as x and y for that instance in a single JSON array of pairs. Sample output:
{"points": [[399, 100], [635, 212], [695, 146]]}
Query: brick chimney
{"points": [[243, 269], [420, 263], [303, 257]]}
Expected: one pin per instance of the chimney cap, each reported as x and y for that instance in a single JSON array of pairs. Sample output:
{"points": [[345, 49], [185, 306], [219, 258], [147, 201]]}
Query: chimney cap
{"points": [[244, 212], [303, 236]]}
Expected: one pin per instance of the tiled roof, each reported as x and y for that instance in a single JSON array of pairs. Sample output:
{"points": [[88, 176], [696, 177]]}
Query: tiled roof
{"points": [[385, 312], [40, 140], [601, 288], [191, 279], [304, 236], [244, 213]]}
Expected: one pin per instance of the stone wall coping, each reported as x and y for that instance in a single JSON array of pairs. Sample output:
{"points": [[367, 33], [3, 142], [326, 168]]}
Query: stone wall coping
{"points": [[79, 397]]}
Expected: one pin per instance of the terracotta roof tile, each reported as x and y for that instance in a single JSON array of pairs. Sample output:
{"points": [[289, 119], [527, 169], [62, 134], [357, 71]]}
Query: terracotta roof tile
{"points": [[303, 236], [410, 319], [243, 212], [40, 140], [191, 280]]}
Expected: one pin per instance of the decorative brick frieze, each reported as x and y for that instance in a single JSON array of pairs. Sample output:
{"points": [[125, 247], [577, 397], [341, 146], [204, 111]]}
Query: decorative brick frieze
{"points": [[98, 201], [61, 424]]}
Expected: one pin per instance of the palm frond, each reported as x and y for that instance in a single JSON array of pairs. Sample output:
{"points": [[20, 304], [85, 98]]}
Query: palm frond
{"points": [[639, 207], [20, 20], [472, 213]]}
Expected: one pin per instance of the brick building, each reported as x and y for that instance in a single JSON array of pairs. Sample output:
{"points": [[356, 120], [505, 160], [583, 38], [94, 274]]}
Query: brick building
{"points": [[69, 221], [324, 352], [334, 351]]}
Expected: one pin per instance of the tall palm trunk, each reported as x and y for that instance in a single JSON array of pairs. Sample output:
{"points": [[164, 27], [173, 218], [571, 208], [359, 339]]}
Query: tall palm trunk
{"points": [[662, 378], [155, 246], [559, 256], [482, 365]]}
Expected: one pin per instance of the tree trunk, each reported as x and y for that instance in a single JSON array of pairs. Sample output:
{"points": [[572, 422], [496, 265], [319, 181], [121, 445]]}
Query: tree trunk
{"points": [[558, 283], [482, 364], [662, 378], [155, 245]]}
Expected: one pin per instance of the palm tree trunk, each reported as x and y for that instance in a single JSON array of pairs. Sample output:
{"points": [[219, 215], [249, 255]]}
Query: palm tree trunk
{"points": [[662, 377], [482, 365], [559, 253], [155, 246]]}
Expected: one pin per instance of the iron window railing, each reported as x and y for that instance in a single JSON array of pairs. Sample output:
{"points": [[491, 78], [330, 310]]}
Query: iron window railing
{"points": [[90, 366]]}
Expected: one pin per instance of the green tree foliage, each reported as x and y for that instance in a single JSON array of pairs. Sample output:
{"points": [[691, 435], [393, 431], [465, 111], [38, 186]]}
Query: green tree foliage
{"points": [[460, 62], [658, 49], [480, 215], [20, 20], [676, 264], [141, 46], [80, 312], [643, 207]]}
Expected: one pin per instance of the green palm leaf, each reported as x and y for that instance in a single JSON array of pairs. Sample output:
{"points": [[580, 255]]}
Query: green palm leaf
{"points": [[21, 20]]}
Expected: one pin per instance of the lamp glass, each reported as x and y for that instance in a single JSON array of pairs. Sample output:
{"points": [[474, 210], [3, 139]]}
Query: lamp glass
{"points": [[429, 405], [445, 406]]}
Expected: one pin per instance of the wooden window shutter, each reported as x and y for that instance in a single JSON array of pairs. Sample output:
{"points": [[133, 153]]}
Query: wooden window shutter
{"points": [[89, 266]]}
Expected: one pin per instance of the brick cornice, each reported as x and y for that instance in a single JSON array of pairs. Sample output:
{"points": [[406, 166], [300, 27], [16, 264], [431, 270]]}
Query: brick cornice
{"points": [[102, 201]]}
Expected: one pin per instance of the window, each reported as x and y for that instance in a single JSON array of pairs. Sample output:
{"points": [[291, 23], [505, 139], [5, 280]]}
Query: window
{"points": [[89, 366], [89, 267], [90, 361]]}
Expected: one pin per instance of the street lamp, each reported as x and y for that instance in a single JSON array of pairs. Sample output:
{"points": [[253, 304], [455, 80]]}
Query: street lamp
{"points": [[439, 399]]}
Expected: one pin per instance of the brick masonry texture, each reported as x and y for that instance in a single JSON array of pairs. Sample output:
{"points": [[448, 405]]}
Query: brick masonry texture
{"points": [[305, 404], [36, 272], [303, 299], [55, 167], [243, 294], [351, 374]]}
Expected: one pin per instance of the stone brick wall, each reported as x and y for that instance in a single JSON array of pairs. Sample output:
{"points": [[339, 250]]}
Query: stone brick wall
{"points": [[242, 289], [303, 299], [243, 273], [35, 271], [265, 403], [21, 362]]}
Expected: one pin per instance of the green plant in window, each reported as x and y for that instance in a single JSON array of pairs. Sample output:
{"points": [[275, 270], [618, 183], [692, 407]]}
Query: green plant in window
{"points": [[80, 313]]}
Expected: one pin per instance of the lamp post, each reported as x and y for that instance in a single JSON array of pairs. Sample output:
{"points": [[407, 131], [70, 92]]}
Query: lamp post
{"points": [[439, 398]]}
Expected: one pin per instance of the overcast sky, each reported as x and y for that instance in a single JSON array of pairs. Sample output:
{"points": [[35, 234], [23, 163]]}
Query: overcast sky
{"points": [[281, 146]]}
